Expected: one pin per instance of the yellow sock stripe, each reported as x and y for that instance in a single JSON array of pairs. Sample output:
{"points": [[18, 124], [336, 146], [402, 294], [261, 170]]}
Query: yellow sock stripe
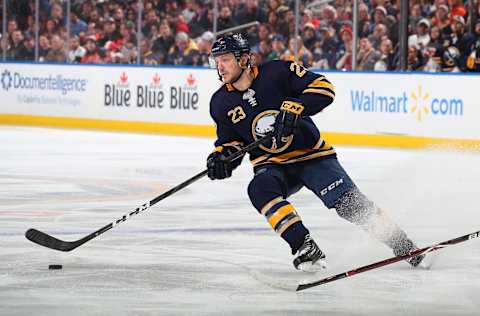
{"points": [[270, 204], [280, 214]]}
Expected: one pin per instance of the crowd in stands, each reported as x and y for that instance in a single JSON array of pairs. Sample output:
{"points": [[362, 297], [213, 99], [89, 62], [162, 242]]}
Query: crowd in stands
{"points": [[180, 32]]}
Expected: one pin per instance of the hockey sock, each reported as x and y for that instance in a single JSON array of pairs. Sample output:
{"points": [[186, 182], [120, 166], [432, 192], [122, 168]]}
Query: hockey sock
{"points": [[356, 208], [283, 218]]}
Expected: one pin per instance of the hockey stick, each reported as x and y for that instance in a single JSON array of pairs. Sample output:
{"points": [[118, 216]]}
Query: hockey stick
{"points": [[51, 242], [388, 261]]}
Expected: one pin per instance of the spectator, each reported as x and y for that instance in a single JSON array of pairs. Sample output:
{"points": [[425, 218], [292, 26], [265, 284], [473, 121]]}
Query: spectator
{"points": [[202, 22], [345, 60], [272, 19], [305, 57], [225, 19], [110, 33], [51, 28], [76, 51], [11, 27], [278, 47], [283, 13], [367, 55], [451, 60], [379, 33], [148, 57], [264, 31], [473, 58], [204, 44], [93, 16], [379, 17], [165, 39], [77, 25], [56, 53], [119, 15], [329, 44], [29, 52], [43, 47], [422, 37], [363, 20], [22, 11], [250, 12], [272, 5], [309, 36], [125, 32], [151, 18], [189, 11], [415, 16], [385, 62], [16, 51], [183, 52], [414, 61], [262, 52], [129, 51], [181, 25], [329, 15], [308, 17], [442, 20], [460, 39], [458, 9], [432, 63], [91, 56], [56, 13], [199, 22]]}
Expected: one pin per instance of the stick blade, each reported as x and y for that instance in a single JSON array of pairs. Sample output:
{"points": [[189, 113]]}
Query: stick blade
{"points": [[48, 241]]}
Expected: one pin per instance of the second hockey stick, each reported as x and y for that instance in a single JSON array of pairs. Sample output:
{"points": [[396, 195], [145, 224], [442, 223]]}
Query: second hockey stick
{"points": [[388, 261], [51, 242]]}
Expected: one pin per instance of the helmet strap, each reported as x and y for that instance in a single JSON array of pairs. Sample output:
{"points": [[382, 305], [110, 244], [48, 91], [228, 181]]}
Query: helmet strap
{"points": [[243, 69]]}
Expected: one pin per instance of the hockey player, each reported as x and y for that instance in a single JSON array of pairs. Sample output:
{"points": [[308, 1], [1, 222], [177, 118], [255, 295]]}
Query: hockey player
{"points": [[279, 97]]}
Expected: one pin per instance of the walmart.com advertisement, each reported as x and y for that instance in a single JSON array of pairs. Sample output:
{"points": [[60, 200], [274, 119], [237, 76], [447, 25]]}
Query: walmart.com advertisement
{"points": [[404, 104]]}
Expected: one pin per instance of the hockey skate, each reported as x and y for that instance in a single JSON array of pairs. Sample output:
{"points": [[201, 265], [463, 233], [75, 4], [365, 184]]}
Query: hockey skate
{"points": [[309, 257], [417, 261]]}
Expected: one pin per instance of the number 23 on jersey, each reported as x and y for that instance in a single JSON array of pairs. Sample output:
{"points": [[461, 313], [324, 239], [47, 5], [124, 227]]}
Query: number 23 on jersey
{"points": [[236, 114]]}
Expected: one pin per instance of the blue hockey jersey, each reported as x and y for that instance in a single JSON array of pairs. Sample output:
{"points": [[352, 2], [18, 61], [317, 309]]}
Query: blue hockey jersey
{"points": [[242, 117]]}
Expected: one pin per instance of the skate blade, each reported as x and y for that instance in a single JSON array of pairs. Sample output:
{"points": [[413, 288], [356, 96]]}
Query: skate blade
{"points": [[428, 261], [312, 268]]}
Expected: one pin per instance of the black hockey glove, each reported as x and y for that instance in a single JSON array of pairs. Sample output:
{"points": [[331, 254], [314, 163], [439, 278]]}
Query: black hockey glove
{"points": [[286, 120], [218, 167]]}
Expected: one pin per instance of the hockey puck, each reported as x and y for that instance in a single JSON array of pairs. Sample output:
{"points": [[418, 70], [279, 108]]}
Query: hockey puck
{"points": [[55, 267]]}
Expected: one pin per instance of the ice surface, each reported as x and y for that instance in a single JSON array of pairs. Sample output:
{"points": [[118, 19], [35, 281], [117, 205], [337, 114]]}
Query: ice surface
{"points": [[205, 250]]}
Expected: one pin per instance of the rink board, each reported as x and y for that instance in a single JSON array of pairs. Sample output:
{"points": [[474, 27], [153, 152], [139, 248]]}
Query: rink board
{"points": [[371, 109]]}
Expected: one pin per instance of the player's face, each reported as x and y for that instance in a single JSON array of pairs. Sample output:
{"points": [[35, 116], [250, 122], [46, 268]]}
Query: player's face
{"points": [[227, 67]]}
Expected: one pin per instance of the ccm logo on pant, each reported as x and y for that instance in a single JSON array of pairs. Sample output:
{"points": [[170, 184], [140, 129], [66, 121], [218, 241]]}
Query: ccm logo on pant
{"points": [[331, 186]]}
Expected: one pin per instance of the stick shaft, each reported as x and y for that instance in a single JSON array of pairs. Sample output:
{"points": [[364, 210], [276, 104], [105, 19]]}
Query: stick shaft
{"points": [[388, 261], [49, 241]]}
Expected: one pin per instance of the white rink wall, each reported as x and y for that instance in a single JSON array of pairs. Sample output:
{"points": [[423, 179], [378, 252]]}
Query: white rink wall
{"points": [[374, 109]]}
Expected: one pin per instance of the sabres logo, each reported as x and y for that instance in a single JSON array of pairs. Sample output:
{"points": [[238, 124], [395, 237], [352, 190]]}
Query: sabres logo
{"points": [[262, 125]]}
